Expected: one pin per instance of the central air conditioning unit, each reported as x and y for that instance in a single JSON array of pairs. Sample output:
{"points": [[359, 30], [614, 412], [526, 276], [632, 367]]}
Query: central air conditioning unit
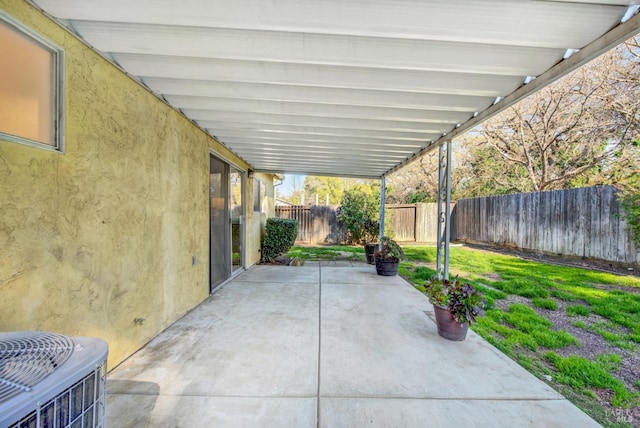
{"points": [[48, 380]]}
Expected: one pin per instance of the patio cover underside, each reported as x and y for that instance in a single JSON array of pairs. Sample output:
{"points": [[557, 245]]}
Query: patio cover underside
{"points": [[348, 88]]}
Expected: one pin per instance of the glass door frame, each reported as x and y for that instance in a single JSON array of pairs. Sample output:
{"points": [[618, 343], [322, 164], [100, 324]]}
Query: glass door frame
{"points": [[232, 269], [238, 266]]}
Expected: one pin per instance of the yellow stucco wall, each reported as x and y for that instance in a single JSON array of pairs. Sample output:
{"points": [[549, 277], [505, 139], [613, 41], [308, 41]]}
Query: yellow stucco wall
{"points": [[256, 220], [105, 233]]}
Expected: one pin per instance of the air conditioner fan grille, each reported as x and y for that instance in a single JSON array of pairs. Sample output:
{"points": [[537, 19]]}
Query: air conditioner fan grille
{"points": [[28, 357]]}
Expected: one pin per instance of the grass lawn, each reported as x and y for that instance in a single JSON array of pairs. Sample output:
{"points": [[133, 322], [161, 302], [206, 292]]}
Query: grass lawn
{"points": [[576, 329]]}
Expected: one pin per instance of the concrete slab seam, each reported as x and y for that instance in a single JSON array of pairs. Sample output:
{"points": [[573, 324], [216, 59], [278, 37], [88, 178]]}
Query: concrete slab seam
{"points": [[398, 397], [319, 344]]}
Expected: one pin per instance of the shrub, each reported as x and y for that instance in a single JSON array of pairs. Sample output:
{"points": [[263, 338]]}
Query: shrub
{"points": [[280, 234], [360, 214], [390, 251]]}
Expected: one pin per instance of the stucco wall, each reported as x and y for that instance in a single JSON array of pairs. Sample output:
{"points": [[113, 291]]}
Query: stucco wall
{"points": [[105, 232], [256, 220]]}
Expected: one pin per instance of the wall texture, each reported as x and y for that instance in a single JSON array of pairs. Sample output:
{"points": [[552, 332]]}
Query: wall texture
{"points": [[105, 233], [257, 220]]}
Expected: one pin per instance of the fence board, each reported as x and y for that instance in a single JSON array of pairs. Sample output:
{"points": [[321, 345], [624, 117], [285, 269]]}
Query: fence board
{"points": [[403, 221], [317, 224], [575, 222]]}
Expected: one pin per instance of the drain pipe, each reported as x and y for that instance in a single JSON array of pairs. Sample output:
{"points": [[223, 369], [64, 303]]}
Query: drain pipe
{"points": [[383, 191]]}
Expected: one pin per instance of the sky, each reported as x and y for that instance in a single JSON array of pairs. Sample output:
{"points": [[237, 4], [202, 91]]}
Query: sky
{"points": [[291, 181]]}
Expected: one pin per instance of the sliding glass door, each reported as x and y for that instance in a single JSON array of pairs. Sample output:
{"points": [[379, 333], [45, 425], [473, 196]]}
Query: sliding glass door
{"points": [[226, 226]]}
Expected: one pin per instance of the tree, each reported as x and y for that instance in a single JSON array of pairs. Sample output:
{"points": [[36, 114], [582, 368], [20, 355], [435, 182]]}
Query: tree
{"points": [[576, 132], [333, 187], [417, 182]]}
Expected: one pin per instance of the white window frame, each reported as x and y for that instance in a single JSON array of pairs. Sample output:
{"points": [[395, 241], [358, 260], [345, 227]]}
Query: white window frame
{"points": [[57, 81]]}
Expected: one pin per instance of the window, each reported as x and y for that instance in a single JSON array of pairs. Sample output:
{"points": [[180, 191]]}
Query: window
{"points": [[30, 87], [259, 193]]}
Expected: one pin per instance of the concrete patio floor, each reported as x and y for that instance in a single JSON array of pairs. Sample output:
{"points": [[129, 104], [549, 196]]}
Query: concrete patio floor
{"points": [[327, 345]]}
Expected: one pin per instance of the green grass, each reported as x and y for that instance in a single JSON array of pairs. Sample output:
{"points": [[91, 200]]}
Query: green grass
{"points": [[545, 303], [578, 310], [520, 326], [540, 281], [580, 372], [616, 339]]}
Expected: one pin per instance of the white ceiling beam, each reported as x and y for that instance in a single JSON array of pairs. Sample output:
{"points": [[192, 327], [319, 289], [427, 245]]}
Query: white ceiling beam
{"points": [[210, 119], [303, 152], [203, 69], [337, 164], [364, 173], [285, 143], [241, 128], [375, 151], [325, 50], [425, 122], [310, 109], [327, 139], [532, 23], [252, 91]]}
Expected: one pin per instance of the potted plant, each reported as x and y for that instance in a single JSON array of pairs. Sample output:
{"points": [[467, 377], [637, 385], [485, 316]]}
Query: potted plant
{"points": [[456, 305], [388, 257], [371, 230]]}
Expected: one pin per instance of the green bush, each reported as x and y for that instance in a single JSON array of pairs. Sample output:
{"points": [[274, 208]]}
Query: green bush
{"points": [[359, 213], [280, 234]]}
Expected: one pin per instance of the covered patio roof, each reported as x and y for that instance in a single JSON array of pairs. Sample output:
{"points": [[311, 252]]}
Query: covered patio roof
{"points": [[349, 88]]}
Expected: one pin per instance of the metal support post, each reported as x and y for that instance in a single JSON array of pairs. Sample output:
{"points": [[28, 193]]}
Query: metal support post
{"points": [[447, 216], [444, 211], [439, 228], [383, 196]]}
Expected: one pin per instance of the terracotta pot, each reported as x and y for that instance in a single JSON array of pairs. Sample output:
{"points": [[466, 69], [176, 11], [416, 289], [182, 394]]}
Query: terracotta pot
{"points": [[385, 268], [447, 327]]}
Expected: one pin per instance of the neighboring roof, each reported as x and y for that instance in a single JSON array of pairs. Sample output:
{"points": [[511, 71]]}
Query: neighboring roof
{"points": [[339, 87], [283, 202]]}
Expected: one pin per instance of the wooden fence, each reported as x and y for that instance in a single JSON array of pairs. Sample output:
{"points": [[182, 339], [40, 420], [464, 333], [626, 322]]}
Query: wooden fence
{"points": [[318, 224], [577, 222], [582, 222]]}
